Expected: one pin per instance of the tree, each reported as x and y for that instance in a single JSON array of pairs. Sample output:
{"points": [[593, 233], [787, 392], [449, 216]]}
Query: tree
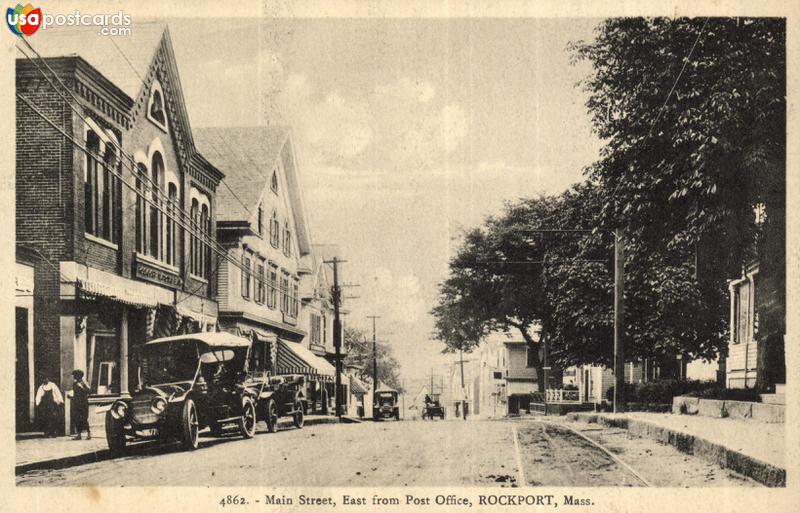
{"points": [[693, 113], [358, 349]]}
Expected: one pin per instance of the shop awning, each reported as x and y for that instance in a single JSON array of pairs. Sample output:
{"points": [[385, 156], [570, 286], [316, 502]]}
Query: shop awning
{"points": [[358, 387], [293, 358], [204, 319], [78, 279]]}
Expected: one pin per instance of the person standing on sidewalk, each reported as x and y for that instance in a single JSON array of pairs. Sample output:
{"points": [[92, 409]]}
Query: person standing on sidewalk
{"points": [[48, 403], [80, 405]]}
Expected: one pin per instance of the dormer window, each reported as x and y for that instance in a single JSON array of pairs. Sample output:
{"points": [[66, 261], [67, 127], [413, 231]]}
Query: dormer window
{"points": [[274, 183], [156, 108]]}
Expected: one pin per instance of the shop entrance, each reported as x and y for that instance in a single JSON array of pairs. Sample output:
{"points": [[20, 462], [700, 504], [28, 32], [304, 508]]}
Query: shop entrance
{"points": [[23, 389]]}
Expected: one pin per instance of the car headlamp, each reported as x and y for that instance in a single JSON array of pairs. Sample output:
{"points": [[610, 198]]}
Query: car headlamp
{"points": [[158, 406], [119, 410]]}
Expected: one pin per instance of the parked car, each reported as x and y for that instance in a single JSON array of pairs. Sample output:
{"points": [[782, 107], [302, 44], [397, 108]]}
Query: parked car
{"points": [[386, 406], [190, 382]]}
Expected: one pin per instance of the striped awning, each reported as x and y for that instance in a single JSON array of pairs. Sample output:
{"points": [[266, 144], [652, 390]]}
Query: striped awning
{"points": [[293, 358], [358, 387]]}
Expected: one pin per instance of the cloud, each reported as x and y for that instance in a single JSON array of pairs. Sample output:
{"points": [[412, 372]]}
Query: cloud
{"points": [[407, 89]]}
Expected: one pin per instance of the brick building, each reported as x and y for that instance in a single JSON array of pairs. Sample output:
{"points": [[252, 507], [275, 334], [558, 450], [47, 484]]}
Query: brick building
{"points": [[114, 202]]}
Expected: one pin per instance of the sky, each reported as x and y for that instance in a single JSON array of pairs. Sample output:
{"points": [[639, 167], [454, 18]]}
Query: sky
{"points": [[407, 133]]}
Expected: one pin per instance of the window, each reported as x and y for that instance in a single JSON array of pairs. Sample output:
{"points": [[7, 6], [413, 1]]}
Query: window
{"points": [[141, 209], [100, 189], [324, 329], [287, 240], [274, 230], [295, 299], [260, 220], [497, 375], [155, 247], [316, 330], [156, 106], [246, 272], [272, 296], [259, 295], [274, 182], [172, 226], [745, 320], [285, 299], [205, 249]]}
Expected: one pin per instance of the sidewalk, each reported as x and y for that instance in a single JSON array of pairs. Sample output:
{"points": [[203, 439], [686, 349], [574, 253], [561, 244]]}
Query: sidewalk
{"points": [[753, 449], [40, 453]]}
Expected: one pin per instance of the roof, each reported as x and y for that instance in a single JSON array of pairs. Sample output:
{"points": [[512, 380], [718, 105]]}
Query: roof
{"points": [[216, 339], [122, 60], [247, 156], [511, 337]]}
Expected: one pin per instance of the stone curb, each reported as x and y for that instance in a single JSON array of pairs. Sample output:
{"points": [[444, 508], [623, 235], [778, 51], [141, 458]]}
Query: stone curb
{"points": [[105, 454], [760, 471]]}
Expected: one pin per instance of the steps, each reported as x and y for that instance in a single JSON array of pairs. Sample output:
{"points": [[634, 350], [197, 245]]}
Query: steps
{"points": [[779, 397]]}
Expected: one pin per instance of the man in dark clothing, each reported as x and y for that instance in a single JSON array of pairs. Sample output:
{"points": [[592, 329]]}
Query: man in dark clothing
{"points": [[80, 405]]}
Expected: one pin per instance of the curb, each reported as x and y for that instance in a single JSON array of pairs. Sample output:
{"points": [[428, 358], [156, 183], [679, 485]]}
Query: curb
{"points": [[764, 473], [105, 454]]}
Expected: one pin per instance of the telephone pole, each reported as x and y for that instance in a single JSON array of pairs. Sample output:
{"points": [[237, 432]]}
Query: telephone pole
{"points": [[619, 321], [374, 359], [336, 294]]}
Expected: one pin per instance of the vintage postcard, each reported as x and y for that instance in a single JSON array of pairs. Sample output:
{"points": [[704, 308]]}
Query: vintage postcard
{"points": [[400, 256]]}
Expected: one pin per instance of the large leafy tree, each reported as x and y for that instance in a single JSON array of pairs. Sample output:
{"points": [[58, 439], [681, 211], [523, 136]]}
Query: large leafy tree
{"points": [[693, 115]]}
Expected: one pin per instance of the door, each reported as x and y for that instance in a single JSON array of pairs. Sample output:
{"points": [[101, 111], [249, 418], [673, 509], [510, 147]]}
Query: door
{"points": [[23, 390]]}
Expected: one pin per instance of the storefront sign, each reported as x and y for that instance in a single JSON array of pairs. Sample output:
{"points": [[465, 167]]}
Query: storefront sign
{"points": [[149, 272]]}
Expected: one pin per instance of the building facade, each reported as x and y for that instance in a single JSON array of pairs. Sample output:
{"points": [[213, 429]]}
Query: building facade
{"points": [[505, 377], [115, 203], [262, 225]]}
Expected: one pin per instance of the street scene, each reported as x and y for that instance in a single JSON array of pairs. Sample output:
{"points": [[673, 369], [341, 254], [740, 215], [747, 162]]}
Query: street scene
{"points": [[375, 252]]}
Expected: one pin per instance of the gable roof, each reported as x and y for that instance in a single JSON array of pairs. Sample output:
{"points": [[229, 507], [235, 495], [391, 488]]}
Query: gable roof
{"points": [[122, 60], [247, 157]]}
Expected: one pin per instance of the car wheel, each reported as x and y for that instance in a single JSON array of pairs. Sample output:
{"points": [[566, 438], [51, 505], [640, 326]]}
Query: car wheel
{"points": [[247, 422], [190, 425], [272, 416], [298, 417], [115, 435]]}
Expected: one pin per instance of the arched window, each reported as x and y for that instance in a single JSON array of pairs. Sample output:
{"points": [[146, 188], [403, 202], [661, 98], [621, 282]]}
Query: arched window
{"points": [[107, 218], [194, 212], [172, 226], [156, 107], [204, 247], [274, 182], [156, 216], [91, 185], [141, 209]]}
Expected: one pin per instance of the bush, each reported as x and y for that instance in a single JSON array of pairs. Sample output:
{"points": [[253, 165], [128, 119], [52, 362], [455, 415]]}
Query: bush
{"points": [[661, 391]]}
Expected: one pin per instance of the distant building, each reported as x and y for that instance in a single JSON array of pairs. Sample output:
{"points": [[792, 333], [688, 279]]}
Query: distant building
{"points": [[505, 376]]}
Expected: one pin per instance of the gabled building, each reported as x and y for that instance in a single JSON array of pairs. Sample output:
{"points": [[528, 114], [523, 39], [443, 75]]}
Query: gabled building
{"points": [[114, 202], [262, 225]]}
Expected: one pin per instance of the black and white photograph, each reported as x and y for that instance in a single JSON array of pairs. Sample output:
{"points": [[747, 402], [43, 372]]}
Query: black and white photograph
{"points": [[447, 256]]}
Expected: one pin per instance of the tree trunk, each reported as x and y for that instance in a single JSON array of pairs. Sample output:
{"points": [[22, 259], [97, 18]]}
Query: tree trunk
{"points": [[533, 348]]}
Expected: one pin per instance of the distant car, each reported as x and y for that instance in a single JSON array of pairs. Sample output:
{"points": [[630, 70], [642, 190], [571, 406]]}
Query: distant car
{"points": [[202, 380], [433, 410], [386, 406]]}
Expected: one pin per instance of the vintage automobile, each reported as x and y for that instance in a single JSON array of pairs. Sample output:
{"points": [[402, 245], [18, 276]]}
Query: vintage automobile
{"points": [[189, 382], [386, 406], [433, 409]]}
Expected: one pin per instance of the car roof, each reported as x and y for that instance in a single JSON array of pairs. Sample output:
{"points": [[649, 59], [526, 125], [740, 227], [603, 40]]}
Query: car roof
{"points": [[384, 390], [210, 338]]}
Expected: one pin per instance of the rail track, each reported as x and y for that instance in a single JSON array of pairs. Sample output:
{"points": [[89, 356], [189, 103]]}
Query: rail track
{"points": [[560, 455]]}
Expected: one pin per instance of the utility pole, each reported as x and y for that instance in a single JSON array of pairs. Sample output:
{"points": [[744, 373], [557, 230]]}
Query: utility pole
{"points": [[336, 294], [374, 360], [619, 320]]}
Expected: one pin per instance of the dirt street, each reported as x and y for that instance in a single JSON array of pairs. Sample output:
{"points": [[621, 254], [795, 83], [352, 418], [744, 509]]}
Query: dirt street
{"points": [[418, 453]]}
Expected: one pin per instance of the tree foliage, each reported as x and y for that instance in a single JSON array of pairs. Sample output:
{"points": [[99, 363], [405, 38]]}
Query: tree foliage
{"points": [[358, 348], [683, 170]]}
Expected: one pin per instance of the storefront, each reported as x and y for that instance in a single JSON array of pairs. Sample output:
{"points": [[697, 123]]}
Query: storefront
{"points": [[294, 358], [106, 321], [25, 384]]}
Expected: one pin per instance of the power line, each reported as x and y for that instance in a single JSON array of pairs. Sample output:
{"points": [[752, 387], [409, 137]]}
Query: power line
{"points": [[194, 230]]}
